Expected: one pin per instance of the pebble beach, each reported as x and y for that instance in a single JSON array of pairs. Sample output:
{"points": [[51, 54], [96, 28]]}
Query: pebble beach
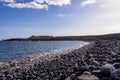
{"points": [[99, 60]]}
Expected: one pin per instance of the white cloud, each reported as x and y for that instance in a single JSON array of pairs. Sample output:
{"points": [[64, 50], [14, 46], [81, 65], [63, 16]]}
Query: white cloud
{"points": [[59, 2], [27, 5], [7, 0], [39, 1], [87, 2], [37, 4], [61, 15], [55, 2]]}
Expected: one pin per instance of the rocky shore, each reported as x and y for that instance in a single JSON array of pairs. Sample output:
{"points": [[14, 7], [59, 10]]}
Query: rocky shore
{"points": [[99, 60]]}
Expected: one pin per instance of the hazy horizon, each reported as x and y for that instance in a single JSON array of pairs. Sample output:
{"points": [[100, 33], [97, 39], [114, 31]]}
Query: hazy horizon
{"points": [[24, 18]]}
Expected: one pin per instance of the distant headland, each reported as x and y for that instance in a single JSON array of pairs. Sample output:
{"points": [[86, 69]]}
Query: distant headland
{"points": [[115, 36]]}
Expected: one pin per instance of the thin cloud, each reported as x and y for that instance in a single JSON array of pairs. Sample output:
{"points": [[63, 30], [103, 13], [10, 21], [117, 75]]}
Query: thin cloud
{"points": [[87, 2], [61, 15], [105, 18]]}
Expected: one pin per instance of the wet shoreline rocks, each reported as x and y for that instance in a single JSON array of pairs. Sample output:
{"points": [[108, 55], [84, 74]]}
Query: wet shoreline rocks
{"points": [[99, 60]]}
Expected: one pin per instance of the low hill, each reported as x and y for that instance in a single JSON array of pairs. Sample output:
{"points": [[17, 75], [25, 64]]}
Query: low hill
{"points": [[115, 36]]}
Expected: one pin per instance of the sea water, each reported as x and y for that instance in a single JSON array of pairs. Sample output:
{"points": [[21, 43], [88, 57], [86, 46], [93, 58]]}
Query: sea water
{"points": [[11, 50]]}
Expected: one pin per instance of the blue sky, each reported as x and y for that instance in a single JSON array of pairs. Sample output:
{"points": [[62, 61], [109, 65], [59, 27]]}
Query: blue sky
{"points": [[23, 18]]}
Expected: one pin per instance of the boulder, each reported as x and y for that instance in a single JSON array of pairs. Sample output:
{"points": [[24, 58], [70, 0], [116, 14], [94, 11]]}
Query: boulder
{"points": [[86, 73], [87, 77], [96, 73], [115, 74], [83, 68], [73, 77], [107, 69]]}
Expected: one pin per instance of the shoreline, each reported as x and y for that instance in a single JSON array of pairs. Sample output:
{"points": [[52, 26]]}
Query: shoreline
{"points": [[96, 60], [30, 60]]}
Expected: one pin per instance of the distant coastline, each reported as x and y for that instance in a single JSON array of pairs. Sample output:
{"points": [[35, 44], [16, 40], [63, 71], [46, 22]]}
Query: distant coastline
{"points": [[115, 36]]}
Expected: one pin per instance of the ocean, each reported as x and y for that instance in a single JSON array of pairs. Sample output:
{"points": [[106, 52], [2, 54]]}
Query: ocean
{"points": [[12, 50]]}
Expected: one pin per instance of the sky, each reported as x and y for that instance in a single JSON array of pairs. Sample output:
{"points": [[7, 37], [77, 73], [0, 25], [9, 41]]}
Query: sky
{"points": [[24, 18]]}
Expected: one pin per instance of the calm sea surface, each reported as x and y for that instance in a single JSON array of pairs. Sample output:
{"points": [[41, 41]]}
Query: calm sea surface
{"points": [[10, 50]]}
